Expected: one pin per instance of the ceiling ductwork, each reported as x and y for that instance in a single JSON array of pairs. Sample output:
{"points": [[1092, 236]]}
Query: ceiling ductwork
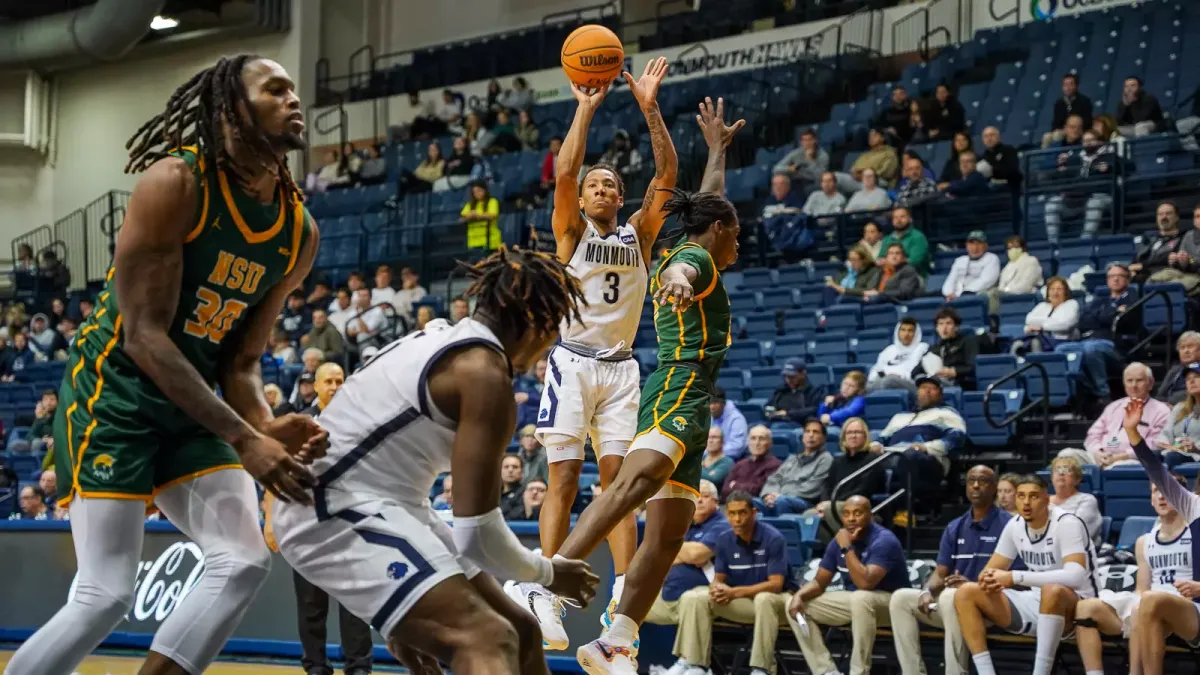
{"points": [[103, 31]]}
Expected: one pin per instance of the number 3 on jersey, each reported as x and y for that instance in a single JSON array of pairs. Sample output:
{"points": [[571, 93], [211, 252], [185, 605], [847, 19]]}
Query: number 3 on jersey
{"points": [[213, 317], [613, 293]]}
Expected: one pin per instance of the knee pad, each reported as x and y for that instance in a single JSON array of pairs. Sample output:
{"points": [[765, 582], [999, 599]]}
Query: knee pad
{"points": [[1086, 623], [561, 447]]}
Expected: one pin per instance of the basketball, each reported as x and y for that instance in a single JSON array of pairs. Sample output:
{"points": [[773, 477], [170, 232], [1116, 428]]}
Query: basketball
{"points": [[593, 56]]}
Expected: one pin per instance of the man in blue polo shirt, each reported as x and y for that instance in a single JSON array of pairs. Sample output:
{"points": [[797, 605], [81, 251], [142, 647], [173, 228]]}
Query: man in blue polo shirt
{"points": [[693, 564], [871, 562], [751, 577], [967, 544]]}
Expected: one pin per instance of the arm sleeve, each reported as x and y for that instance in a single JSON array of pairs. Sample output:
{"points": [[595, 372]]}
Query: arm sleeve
{"points": [[1065, 318], [1072, 575], [1167, 435], [777, 558], [956, 271], [829, 562], [774, 482], [990, 276], [1176, 495], [854, 408], [952, 439], [487, 541], [735, 442], [792, 157], [1095, 435], [720, 557]]}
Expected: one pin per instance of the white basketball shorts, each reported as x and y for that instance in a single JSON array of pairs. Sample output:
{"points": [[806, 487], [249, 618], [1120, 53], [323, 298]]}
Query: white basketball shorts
{"points": [[1026, 605], [1125, 604], [588, 397], [376, 560]]}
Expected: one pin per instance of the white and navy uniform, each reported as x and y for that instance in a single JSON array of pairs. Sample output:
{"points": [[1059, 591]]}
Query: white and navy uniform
{"points": [[592, 382], [371, 539], [1065, 535], [1169, 561]]}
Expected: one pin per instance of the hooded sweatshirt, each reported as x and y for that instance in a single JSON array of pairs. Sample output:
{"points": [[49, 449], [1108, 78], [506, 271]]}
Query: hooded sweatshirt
{"points": [[898, 358], [940, 428], [47, 341]]}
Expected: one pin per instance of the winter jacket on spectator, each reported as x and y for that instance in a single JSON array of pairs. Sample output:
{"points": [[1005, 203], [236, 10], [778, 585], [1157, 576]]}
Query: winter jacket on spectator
{"points": [[896, 117], [972, 275], [916, 248], [801, 475], [883, 160], [800, 404], [1095, 321], [47, 341], [327, 339], [898, 358], [22, 359], [512, 504], [1023, 275], [785, 223], [1004, 163], [842, 409], [903, 285], [1156, 250], [947, 117], [941, 429], [1173, 388], [807, 169], [1076, 105], [295, 322], [750, 474], [959, 353], [1190, 244], [972, 185], [1145, 108], [866, 280], [844, 465], [916, 191]]}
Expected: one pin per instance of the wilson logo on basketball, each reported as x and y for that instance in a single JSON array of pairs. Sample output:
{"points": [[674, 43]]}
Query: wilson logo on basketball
{"points": [[599, 60]]}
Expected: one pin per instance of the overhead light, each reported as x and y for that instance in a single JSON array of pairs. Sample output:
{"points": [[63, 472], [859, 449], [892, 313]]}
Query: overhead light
{"points": [[163, 23]]}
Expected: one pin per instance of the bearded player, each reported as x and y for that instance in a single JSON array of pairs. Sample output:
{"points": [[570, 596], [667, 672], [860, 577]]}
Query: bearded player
{"points": [[215, 238], [592, 388]]}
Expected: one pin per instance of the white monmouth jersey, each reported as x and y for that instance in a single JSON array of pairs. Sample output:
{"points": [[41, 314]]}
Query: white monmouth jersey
{"points": [[387, 440], [1065, 535], [1169, 561], [613, 278]]}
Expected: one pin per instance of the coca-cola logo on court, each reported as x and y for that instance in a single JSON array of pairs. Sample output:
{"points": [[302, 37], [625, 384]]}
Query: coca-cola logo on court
{"points": [[162, 583]]}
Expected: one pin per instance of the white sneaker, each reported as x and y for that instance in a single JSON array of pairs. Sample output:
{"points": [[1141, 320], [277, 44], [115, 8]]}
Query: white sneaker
{"points": [[759, 671], [547, 608], [680, 667], [600, 658]]}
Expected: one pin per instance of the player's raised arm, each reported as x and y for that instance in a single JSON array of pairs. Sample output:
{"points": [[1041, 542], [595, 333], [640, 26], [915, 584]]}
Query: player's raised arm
{"points": [[650, 218], [566, 220], [1180, 499], [148, 274], [717, 136]]}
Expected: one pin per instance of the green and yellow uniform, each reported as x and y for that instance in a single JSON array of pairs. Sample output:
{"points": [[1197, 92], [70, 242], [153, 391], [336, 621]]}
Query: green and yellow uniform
{"points": [[691, 348], [116, 435]]}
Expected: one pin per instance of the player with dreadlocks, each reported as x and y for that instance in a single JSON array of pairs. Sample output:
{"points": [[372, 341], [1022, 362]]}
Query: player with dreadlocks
{"points": [[215, 238], [435, 401]]}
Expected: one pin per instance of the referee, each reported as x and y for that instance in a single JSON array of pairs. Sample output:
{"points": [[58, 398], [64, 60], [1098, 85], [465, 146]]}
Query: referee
{"points": [[312, 603]]}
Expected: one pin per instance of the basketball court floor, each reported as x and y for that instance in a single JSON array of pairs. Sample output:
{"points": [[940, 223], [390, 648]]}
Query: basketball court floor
{"points": [[128, 665]]}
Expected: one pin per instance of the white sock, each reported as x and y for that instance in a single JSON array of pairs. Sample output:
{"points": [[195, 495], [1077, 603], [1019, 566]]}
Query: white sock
{"points": [[1095, 672], [983, 663], [622, 631], [618, 588], [1049, 634]]}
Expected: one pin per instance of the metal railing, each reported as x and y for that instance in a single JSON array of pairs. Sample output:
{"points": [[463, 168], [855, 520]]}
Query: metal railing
{"points": [[915, 32], [37, 239], [905, 492], [1167, 329], [89, 235], [1043, 401]]}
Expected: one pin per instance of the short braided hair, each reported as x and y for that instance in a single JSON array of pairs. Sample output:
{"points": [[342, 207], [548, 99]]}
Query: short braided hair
{"points": [[525, 289]]}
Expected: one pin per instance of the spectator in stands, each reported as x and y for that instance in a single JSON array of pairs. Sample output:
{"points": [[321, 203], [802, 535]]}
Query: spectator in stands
{"points": [[474, 132], [1153, 260], [1066, 475], [457, 169], [424, 316], [796, 399], [916, 122], [798, 484], [1173, 388], [355, 280], [975, 273], [512, 487], [952, 169], [48, 482], [827, 201], [880, 156], [1138, 113], [856, 454], [459, 309], [481, 213], [332, 174], [871, 197], [895, 365], [281, 348], [1186, 261], [520, 97], [445, 500], [899, 281], [848, 402], [527, 391], [955, 349], [731, 421], [55, 277], [1001, 161], [449, 112], [25, 261], [972, 183], [324, 336], [1106, 442], [341, 310], [296, 318], [1097, 346], [533, 454], [1072, 104], [58, 310], [872, 239], [622, 155], [548, 161], [33, 505], [895, 117], [373, 170], [688, 571], [1042, 610], [716, 465], [66, 328], [805, 164], [410, 292], [1092, 159], [428, 172], [751, 585], [947, 116], [305, 393], [1179, 441], [86, 307], [916, 246], [874, 567], [784, 220], [502, 137], [1006, 493], [367, 320], [916, 187], [1023, 271], [1052, 321], [42, 430], [23, 356], [275, 399], [535, 494], [45, 340], [425, 121], [860, 275], [321, 295], [927, 437], [966, 545], [383, 291], [751, 472], [527, 131]]}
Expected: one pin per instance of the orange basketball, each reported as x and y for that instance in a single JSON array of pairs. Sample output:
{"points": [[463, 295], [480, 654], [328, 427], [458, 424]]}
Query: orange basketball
{"points": [[593, 56]]}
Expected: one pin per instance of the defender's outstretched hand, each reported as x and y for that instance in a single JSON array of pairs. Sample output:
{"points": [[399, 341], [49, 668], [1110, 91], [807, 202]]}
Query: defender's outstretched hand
{"points": [[712, 123], [645, 89]]}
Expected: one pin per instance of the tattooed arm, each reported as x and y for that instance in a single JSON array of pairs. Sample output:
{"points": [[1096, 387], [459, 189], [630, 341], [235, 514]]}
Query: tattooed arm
{"points": [[566, 220], [718, 136], [650, 218]]}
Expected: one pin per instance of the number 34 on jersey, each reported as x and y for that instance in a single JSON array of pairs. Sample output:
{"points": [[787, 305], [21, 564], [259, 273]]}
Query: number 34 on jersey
{"points": [[215, 314]]}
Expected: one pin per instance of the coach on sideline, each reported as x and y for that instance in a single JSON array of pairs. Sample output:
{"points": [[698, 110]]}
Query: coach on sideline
{"points": [[967, 545], [693, 564]]}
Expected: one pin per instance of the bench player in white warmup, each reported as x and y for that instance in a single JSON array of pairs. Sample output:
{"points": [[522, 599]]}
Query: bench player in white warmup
{"points": [[592, 388], [1171, 606], [1057, 549], [438, 400], [1164, 558]]}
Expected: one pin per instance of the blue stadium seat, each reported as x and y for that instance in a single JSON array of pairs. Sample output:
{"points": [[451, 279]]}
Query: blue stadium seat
{"points": [[793, 275], [797, 321], [973, 309], [842, 318], [867, 344], [840, 370], [742, 354], [1155, 312], [764, 381], [734, 382], [828, 347], [883, 405], [880, 316], [757, 279], [1132, 528], [992, 367], [819, 375], [785, 439], [1062, 383], [979, 431], [760, 326], [779, 299], [789, 347], [923, 309], [744, 302]]}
